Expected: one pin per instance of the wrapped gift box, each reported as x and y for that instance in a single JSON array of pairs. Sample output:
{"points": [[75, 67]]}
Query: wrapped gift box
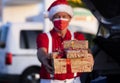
{"points": [[60, 66], [76, 53], [80, 66], [84, 64], [75, 44]]}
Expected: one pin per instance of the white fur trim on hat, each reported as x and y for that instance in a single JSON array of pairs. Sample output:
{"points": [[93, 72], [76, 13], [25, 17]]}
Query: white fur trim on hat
{"points": [[60, 8]]}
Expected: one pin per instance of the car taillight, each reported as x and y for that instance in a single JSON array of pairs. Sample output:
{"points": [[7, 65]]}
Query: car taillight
{"points": [[8, 59]]}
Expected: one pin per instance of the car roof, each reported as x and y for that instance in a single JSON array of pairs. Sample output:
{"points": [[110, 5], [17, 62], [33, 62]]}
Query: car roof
{"points": [[24, 26]]}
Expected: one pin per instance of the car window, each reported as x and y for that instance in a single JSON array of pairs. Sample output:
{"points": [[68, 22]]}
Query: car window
{"points": [[4, 32], [3, 36], [28, 39]]}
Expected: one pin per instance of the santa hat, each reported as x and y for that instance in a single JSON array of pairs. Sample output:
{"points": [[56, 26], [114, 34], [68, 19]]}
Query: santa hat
{"points": [[59, 6]]}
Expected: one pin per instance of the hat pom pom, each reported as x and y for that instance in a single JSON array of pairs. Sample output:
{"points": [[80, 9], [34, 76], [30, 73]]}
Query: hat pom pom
{"points": [[46, 14]]}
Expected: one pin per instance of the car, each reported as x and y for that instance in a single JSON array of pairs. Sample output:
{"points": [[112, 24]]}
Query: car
{"points": [[106, 50], [18, 60]]}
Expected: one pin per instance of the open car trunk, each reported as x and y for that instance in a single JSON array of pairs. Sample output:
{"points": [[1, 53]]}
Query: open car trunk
{"points": [[107, 40], [107, 13]]}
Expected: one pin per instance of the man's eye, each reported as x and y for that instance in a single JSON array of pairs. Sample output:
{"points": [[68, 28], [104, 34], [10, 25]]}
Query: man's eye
{"points": [[65, 16], [57, 17]]}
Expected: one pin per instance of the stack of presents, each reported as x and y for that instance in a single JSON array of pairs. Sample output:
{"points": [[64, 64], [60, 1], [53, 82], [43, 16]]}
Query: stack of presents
{"points": [[77, 56]]}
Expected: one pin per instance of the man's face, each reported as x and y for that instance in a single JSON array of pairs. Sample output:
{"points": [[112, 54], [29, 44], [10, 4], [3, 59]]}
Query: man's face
{"points": [[61, 21]]}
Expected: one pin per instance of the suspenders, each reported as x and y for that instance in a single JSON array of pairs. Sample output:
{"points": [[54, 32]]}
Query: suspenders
{"points": [[72, 37], [50, 45], [50, 41]]}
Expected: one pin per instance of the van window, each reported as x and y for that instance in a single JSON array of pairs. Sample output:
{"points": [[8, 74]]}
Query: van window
{"points": [[4, 32], [28, 39], [3, 36]]}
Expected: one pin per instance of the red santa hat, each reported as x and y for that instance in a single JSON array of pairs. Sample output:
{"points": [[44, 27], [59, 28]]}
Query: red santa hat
{"points": [[59, 6]]}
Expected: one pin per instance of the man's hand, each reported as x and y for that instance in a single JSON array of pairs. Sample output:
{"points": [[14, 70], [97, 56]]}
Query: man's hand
{"points": [[48, 63], [45, 60]]}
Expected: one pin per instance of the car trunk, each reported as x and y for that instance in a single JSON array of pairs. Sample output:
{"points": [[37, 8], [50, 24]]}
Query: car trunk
{"points": [[107, 13], [104, 10]]}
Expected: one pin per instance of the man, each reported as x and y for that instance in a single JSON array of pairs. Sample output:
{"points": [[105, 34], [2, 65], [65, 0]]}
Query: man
{"points": [[60, 13]]}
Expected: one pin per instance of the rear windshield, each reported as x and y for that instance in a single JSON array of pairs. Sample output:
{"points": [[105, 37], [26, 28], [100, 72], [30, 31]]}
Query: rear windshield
{"points": [[28, 39], [108, 8], [3, 33], [3, 36]]}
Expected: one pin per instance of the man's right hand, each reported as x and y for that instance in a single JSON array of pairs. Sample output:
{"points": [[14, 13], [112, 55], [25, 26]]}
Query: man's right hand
{"points": [[45, 60], [48, 63]]}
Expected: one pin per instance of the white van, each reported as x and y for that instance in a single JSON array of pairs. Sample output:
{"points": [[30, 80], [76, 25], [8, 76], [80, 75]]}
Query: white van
{"points": [[18, 52]]}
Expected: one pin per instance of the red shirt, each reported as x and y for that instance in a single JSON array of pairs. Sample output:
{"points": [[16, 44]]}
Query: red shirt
{"points": [[57, 44]]}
